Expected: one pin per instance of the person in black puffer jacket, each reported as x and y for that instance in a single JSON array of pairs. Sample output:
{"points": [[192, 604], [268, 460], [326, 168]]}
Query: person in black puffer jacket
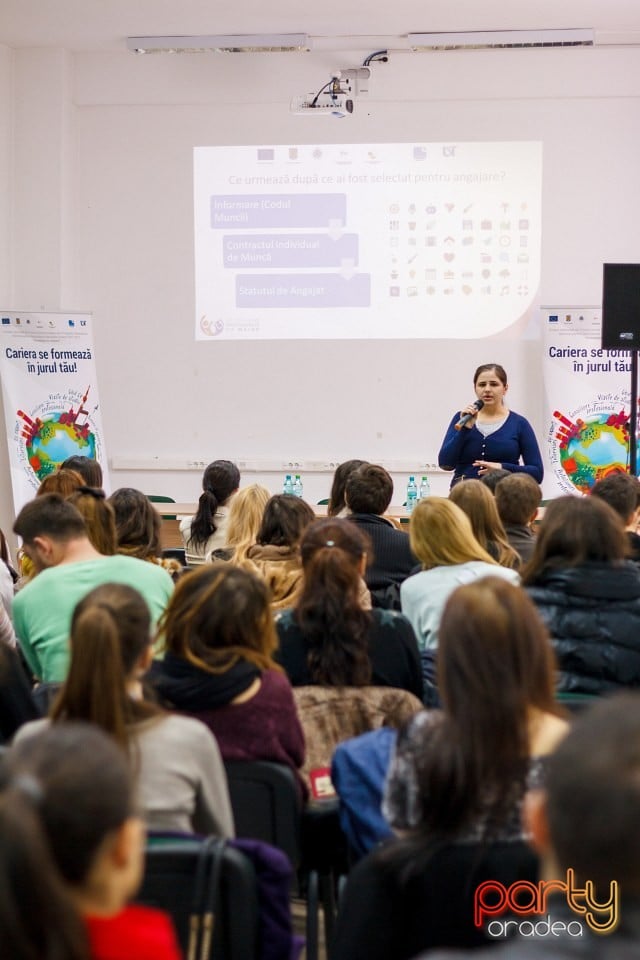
{"points": [[588, 595]]}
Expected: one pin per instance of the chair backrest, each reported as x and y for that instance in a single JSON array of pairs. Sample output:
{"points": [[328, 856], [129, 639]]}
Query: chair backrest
{"points": [[576, 702], [200, 883], [433, 908], [330, 715], [266, 805], [175, 553], [159, 498]]}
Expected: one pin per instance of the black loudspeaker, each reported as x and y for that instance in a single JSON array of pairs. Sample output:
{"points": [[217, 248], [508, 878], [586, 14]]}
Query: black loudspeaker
{"points": [[621, 306]]}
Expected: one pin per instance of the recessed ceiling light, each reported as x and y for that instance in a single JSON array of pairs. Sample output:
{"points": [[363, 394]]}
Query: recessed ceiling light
{"points": [[227, 43], [492, 39]]}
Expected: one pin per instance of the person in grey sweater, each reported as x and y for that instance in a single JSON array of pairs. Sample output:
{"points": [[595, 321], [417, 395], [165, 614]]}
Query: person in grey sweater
{"points": [[180, 776]]}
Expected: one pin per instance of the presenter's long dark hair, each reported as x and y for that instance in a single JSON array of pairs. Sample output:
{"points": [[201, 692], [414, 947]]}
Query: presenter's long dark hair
{"points": [[219, 481], [329, 612]]}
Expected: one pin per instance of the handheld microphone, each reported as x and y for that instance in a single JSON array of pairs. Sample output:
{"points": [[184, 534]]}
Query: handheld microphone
{"points": [[464, 420]]}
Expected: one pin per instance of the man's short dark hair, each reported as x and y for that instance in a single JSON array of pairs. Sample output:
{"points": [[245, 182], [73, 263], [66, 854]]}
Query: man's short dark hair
{"points": [[492, 478], [593, 795], [369, 489], [518, 497], [49, 516], [621, 491]]}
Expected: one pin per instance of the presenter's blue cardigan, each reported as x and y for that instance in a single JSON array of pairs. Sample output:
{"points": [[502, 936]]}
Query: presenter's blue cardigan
{"points": [[511, 443]]}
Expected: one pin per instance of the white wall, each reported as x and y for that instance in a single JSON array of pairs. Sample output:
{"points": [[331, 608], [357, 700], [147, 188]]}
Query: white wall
{"points": [[6, 146], [120, 233]]}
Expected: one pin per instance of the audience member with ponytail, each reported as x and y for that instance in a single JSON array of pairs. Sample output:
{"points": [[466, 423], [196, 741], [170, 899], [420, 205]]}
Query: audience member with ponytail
{"points": [[328, 638], [180, 776], [99, 518], [71, 853], [207, 530]]}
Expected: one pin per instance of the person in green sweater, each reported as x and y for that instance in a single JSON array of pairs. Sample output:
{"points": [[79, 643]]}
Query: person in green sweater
{"points": [[54, 538]]}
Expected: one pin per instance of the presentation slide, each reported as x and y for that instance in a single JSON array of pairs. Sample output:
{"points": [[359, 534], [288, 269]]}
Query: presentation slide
{"points": [[361, 241]]}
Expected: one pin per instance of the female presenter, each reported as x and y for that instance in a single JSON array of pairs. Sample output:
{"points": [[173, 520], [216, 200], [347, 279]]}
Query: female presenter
{"points": [[486, 435]]}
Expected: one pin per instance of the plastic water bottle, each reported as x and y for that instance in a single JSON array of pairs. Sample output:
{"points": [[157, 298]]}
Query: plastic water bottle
{"points": [[425, 488], [412, 494], [288, 484], [297, 486]]}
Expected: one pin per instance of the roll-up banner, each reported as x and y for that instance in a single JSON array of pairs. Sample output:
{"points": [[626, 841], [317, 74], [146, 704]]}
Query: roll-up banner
{"points": [[50, 395], [587, 393]]}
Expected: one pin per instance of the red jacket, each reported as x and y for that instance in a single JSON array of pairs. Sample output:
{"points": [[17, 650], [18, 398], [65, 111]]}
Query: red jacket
{"points": [[136, 933]]}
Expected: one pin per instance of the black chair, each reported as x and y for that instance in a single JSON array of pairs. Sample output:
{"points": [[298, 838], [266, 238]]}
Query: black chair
{"points": [[209, 889], [175, 553], [266, 806], [387, 912]]}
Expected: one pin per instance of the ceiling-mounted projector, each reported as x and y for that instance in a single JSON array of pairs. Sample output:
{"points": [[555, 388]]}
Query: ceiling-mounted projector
{"points": [[324, 104], [336, 98]]}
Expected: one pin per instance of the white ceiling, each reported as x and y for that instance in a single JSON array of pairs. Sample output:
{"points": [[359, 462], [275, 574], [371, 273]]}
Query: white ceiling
{"points": [[90, 25]]}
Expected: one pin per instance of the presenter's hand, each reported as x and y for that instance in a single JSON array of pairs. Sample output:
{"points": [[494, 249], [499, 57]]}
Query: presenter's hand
{"points": [[485, 465], [473, 412]]}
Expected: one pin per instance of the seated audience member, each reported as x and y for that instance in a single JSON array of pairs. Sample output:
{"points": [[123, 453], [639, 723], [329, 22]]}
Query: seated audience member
{"points": [[245, 519], [328, 638], [492, 478], [8, 575], [99, 518], [337, 506], [218, 666], [586, 820], [275, 557], [207, 530], [16, 702], [518, 498], [55, 539], [622, 492], [588, 595], [71, 853], [138, 527], [474, 499], [459, 775], [88, 468], [443, 541], [180, 779], [64, 481], [7, 634], [368, 494]]}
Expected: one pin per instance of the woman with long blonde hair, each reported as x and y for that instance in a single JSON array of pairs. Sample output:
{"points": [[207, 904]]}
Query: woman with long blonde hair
{"points": [[476, 500], [442, 539], [245, 519]]}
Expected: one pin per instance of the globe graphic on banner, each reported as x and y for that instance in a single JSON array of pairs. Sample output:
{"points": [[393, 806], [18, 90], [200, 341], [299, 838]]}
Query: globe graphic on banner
{"points": [[593, 450], [55, 442], [56, 431]]}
